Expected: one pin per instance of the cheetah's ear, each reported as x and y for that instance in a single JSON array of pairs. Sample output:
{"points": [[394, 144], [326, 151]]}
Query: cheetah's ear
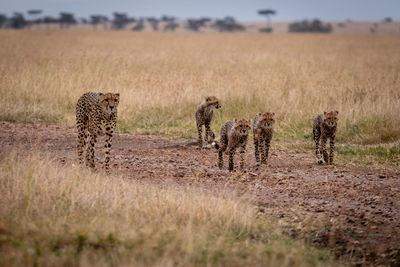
{"points": [[325, 112], [337, 112], [273, 113], [117, 94], [207, 98], [235, 120], [102, 97]]}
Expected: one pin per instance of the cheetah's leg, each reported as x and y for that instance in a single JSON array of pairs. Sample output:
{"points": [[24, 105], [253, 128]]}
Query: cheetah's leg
{"points": [[107, 147], [317, 136], [221, 150], [256, 151], [200, 133], [209, 132], [262, 151], [82, 135], [332, 149], [221, 156], [242, 150], [267, 143], [231, 155], [90, 150], [323, 149]]}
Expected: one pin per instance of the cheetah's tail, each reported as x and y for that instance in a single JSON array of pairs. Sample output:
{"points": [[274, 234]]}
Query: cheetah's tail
{"points": [[215, 144]]}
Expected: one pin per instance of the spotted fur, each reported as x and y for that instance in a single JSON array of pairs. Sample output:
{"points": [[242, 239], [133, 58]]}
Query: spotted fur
{"points": [[263, 129], [204, 115], [325, 126], [96, 115], [234, 135]]}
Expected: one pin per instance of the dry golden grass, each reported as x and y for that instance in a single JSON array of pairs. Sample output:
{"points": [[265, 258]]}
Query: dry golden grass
{"points": [[52, 215], [163, 76]]}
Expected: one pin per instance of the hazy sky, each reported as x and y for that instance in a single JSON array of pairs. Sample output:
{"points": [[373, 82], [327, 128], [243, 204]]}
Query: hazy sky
{"points": [[243, 10]]}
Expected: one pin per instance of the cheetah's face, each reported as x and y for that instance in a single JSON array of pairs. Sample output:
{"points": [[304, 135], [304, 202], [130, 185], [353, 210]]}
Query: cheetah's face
{"points": [[267, 120], [242, 126], [109, 102], [213, 101], [331, 118]]}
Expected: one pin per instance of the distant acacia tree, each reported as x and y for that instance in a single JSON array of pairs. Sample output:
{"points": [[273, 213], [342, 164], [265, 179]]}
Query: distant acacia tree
{"points": [[193, 24], [98, 19], [170, 26], [139, 26], [104, 22], [267, 13], [310, 26], [66, 19], [18, 21], [228, 24], [196, 24], [3, 20], [154, 23], [165, 18], [204, 20], [120, 20], [34, 13], [47, 20], [387, 19], [95, 20]]}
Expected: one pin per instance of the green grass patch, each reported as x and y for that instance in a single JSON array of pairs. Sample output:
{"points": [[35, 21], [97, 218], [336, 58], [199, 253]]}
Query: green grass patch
{"points": [[390, 154]]}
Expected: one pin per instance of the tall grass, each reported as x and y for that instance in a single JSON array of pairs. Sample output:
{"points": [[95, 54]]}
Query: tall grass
{"points": [[53, 215], [163, 76]]}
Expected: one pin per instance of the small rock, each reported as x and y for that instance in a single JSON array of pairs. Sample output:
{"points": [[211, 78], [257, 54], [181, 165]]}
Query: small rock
{"points": [[179, 174]]}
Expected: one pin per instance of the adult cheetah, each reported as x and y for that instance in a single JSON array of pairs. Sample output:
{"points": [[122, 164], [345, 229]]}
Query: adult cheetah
{"points": [[204, 115], [96, 115], [325, 126]]}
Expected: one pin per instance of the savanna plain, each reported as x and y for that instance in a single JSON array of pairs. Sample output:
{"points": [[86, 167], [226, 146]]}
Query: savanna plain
{"points": [[166, 203]]}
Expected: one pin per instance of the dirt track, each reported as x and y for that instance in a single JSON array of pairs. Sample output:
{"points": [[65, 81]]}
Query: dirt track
{"points": [[355, 210]]}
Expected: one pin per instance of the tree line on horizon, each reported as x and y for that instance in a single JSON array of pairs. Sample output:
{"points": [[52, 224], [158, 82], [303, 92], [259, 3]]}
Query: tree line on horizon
{"points": [[120, 21]]}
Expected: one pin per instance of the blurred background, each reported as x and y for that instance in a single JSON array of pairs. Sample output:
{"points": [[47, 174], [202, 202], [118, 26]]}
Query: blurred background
{"points": [[339, 16]]}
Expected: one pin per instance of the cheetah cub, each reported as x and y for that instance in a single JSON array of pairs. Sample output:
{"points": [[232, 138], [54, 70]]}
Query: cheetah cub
{"points": [[325, 127], [233, 135], [96, 115], [204, 115], [263, 128]]}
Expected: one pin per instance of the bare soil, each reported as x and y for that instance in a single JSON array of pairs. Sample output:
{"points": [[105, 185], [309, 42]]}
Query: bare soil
{"points": [[353, 210]]}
